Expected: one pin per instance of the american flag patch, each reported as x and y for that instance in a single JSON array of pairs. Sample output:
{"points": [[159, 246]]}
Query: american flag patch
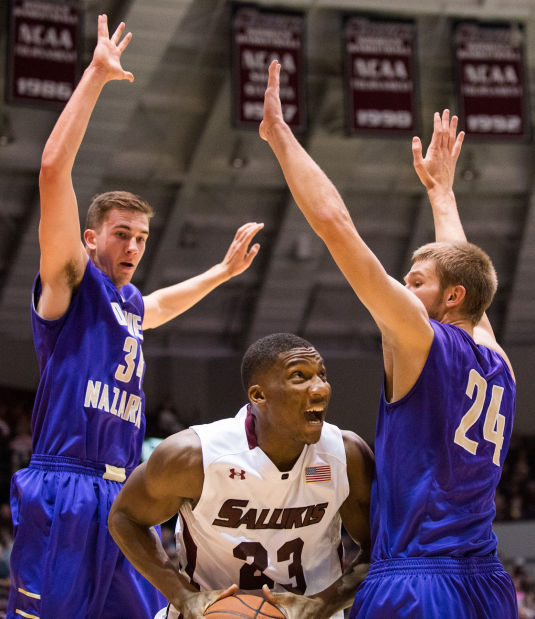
{"points": [[318, 473]]}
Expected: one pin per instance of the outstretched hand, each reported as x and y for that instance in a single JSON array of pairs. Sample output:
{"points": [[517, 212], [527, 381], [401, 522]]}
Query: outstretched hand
{"points": [[437, 169], [239, 255], [272, 102], [107, 54], [296, 606], [195, 605]]}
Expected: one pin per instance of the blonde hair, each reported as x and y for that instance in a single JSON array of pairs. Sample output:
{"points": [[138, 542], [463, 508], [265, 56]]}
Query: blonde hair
{"points": [[467, 265], [102, 203]]}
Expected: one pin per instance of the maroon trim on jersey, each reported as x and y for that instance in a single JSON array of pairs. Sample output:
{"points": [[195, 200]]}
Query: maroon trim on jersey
{"points": [[191, 552], [252, 441]]}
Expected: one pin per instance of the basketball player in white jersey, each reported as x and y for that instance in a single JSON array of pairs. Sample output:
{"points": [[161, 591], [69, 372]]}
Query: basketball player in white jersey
{"points": [[260, 497]]}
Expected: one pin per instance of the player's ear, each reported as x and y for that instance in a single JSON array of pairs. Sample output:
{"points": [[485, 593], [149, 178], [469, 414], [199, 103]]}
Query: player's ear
{"points": [[256, 395], [89, 238], [456, 295]]}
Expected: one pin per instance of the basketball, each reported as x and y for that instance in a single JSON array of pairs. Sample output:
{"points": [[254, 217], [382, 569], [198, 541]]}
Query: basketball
{"points": [[245, 606]]}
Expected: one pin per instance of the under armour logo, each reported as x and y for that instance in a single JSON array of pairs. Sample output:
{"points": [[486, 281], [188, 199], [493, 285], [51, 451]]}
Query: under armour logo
{"points": [[239, 474]]}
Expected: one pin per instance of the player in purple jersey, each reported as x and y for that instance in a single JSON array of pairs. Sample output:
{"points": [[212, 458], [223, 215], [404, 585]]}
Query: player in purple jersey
{"points": [[447, 406], [260, 496], [88, 418]]}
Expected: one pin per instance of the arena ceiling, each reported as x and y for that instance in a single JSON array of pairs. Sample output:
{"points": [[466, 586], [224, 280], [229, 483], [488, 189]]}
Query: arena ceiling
{"points": [[169, 137]]}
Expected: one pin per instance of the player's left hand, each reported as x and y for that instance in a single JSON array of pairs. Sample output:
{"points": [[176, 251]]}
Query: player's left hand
{"points": [[107, 54], [272, 102], [239, 255], [297, 606], [437, 169], [195, 604]]}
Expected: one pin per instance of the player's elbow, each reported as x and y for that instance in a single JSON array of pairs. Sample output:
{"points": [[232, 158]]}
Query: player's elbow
{"points": [[49, 161], [336, 228], [112, 519], [327, 221], [115, 520], [55, 164], [50, 172]]}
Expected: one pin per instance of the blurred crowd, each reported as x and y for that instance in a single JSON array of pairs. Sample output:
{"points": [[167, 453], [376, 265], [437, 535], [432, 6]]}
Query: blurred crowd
{"points": [[515, 498], [525, 588]]}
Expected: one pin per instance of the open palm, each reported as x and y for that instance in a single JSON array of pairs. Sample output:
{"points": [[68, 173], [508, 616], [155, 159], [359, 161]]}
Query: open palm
{"points": [[438, 166], [107, 54]]}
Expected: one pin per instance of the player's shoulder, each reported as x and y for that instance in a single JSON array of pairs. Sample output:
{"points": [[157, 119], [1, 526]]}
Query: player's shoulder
{"points": [[483, 337], [231, 424], [481, 341], [180, 451], [356, 447], [223, 436], [177, 464], [330, 439], [352, 439]]}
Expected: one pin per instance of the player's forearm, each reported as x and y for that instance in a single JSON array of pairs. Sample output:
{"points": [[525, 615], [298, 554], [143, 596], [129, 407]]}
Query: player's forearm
{"points": [[168, 303], [143, 548], [312, 190], [64, 141], [327, 214], [447, 222]]}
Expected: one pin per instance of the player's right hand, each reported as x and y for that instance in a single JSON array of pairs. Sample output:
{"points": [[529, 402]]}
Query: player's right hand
{"points": [[107, 54]]}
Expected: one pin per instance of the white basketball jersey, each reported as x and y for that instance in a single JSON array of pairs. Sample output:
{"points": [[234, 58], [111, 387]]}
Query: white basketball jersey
{"points": [[255, 524]]}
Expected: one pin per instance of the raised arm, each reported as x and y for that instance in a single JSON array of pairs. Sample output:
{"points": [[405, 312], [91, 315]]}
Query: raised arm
{"points": [[355, 513], [152, 495], [400, 315], [63, 257], [327, 214], [167, 303], [436, 172]]}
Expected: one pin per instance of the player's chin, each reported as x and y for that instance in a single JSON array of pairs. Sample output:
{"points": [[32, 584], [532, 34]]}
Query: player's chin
{"points": [[122, 282], [313, 435], [125, 277]]}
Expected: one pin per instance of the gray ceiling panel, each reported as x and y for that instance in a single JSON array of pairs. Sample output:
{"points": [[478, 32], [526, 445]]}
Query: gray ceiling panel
{"points": [[169, 137]]}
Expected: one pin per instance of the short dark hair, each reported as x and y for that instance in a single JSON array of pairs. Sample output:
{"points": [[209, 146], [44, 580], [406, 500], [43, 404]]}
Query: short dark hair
{"points": [[467, 265], [103, 203], [265, 352]]}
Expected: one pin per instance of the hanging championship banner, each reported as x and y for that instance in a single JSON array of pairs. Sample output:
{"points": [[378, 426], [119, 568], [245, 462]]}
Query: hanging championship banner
{"points": [[490, 69], [380, 76], [258, 37], [42, 57]]}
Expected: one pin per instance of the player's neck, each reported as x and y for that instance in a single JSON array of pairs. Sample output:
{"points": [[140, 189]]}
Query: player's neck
{"points": [[461, 322], [282, 456]]}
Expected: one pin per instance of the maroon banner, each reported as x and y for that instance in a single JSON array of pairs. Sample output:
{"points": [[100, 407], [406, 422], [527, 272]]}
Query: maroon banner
{"points": [[380, 73], [258, 37], [489, 62], [42, 52]]}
